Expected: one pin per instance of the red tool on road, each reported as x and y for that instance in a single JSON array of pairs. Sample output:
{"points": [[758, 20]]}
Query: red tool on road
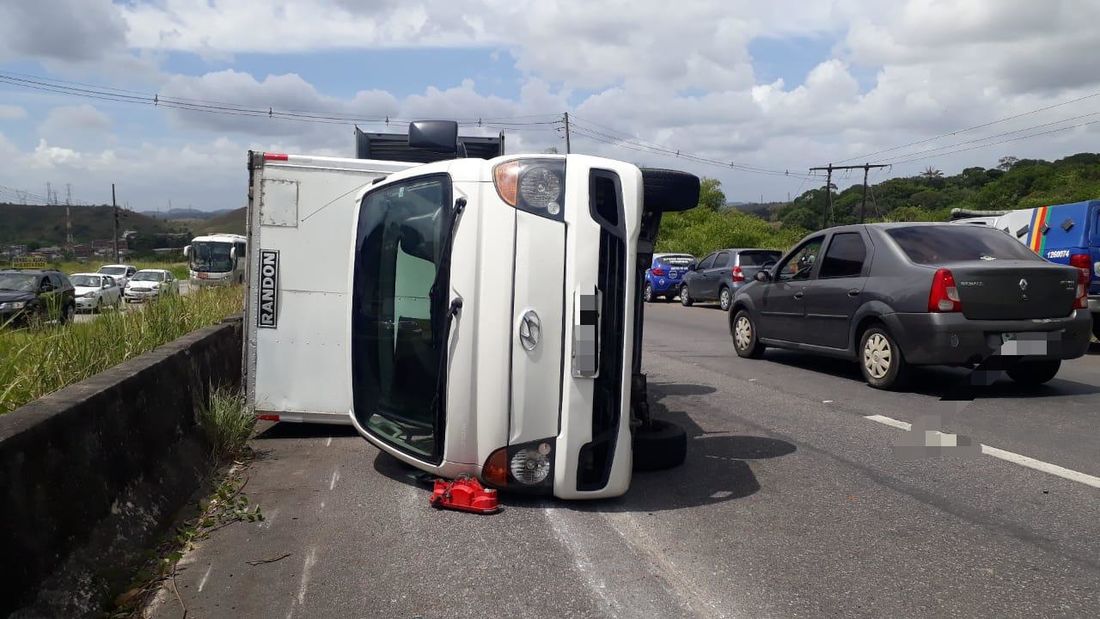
{"points": [[464, 494]]}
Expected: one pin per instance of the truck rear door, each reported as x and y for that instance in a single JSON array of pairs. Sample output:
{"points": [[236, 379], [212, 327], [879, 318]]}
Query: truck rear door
{"points": [[299, 250]]}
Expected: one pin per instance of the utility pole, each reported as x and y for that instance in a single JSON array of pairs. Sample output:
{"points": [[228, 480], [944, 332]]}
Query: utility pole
{"points": [[114, 206], [68, 213], [829, 186], [567, 145], [49, 194]]}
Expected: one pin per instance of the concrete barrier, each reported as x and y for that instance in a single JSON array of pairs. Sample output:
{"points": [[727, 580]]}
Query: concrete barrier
{"points": [[92, 474]]}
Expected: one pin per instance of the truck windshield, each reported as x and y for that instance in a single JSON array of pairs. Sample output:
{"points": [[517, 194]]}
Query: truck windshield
{"points": [[210, 257], [397, 325]]}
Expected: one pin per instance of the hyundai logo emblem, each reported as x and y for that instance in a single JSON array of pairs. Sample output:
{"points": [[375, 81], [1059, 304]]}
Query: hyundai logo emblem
{"points": [[530, 330]]}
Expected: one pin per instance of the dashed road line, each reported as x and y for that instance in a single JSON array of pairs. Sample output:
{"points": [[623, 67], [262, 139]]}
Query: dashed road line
{"points": [[1009, 456]]}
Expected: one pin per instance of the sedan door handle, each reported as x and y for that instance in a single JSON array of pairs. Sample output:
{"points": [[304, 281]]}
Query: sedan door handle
{"points": [[799, 295], [854, 292]]}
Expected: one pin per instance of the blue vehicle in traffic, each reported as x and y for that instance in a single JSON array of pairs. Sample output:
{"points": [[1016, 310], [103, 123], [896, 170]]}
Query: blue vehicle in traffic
{"points": [[1064, 234], [663, 277]]}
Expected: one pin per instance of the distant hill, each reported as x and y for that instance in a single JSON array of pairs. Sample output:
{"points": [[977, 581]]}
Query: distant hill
{"points": [[232, 222], [185, 213], [45, 225]]}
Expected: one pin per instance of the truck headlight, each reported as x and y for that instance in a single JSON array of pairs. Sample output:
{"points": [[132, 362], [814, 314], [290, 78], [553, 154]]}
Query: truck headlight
{"points": [[533, 185], [526, 466]]}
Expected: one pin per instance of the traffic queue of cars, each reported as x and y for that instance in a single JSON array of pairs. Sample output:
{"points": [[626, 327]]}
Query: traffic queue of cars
{"points": [[34, 296], [894, 296]]}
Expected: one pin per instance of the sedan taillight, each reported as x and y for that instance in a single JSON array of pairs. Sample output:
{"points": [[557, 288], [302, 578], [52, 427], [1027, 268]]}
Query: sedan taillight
{"points": [[944, 296], [1082, 301]]}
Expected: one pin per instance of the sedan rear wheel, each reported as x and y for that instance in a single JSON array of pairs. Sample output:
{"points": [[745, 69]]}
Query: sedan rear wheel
{"points": [[881, 360], [1034, 373]]}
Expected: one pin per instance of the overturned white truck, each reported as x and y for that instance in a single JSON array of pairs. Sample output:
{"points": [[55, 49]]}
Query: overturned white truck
{"points": [[467, 316]]}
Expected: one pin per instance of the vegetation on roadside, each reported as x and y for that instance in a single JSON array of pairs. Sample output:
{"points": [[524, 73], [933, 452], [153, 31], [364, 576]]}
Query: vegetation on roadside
{"points": [[928, 196], [35, 362], [227, 422]]}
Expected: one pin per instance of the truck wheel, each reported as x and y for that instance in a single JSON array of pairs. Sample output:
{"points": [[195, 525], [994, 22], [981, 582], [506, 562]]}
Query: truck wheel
{"points": [[669, 190], [1034, 373], [685, 298], [647, 293], [662, 445]]}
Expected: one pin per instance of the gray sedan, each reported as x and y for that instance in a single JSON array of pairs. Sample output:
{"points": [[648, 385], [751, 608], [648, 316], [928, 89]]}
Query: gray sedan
{"points": [[891, 296]]}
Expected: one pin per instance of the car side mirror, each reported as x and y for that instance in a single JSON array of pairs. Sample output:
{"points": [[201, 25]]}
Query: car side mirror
{"points": [[763, 276], [232, 253], [186, 251]]}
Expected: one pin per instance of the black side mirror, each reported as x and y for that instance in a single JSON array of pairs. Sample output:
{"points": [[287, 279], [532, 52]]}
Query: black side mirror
{"points": [[438, 136], [763, 276]]}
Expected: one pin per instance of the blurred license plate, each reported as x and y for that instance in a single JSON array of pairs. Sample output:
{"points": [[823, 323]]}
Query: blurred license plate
{"points": [[202, 275], [1033, 343]]}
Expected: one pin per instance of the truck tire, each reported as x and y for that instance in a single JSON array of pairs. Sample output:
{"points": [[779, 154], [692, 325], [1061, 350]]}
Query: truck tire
{"points": [[660, 446], [669, 190], [1034, 373]]}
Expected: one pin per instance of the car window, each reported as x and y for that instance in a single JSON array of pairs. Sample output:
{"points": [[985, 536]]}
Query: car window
{"points": [[798, 266], [56, 281], [756, 258], [131, 271], [722, 260], [935, 245], [845, 256], [706, 263], [46, 284]]}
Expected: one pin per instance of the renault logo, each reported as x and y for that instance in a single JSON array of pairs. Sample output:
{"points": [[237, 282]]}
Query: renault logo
{"points": [[530, 330], [1023, 285]]}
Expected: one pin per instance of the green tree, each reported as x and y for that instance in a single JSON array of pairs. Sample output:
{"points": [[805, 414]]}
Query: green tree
{"points": [[710, 194]]}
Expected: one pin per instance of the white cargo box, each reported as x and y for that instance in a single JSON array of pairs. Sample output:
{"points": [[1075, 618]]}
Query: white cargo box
{"points": [[300, 231]]}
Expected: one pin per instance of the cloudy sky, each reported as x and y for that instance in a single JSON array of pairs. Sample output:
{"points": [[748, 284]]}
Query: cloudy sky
{"points": [[774, 86]]}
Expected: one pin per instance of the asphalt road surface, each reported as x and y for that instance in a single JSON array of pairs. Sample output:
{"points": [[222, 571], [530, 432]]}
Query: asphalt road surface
{"points": [[793, 503]]}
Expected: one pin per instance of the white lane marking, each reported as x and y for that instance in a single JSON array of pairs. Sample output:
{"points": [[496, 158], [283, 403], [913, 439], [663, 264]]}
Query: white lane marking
{"points": [[893, 423], [826, 401], [1008, 456], [335, 478], [1039, 465], [202, 583], [307, 567], [328, 442]]}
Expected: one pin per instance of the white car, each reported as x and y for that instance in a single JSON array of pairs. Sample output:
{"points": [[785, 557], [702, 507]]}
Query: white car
{"points": [[95, 291], [150, 284], [121, 272]]}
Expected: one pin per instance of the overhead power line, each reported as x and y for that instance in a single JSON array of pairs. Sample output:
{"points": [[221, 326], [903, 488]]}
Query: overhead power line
{"points": [[103, 93], [868, 156], [1016, 139]]}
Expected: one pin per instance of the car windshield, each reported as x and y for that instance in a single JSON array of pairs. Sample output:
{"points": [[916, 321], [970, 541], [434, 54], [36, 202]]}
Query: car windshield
{"points": [[936, 245], [17, 281], [113, 270], [210, 257], [758, 258], [147, 276], [397, 339], [86, 281]]}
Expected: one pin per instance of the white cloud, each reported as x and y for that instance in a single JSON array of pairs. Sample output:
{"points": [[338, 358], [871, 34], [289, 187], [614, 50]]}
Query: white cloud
{"points": [[679, 75], [12, 112]]}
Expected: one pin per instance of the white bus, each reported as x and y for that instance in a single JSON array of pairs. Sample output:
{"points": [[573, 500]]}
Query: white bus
{"points": [[472, 316], [216, 259]]}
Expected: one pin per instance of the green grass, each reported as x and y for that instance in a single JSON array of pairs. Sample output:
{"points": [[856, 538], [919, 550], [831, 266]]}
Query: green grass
{"points": [[34, 362], [178, 269], [227, 421]]}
